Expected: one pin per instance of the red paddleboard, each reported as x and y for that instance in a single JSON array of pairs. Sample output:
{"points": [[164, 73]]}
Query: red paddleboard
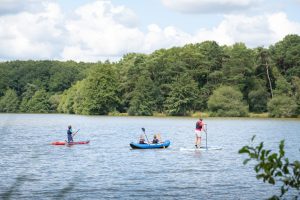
{"points": [[70, 143]]}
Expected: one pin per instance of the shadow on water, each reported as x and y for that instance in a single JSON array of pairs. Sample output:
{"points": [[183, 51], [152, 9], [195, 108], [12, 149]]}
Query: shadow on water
{"points": [[63, 192], [20, 180], [13, 190]]}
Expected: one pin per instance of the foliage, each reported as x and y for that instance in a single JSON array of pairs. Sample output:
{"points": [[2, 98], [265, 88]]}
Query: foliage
{"points": [[54, 101], [143, 97], [67, 100], [282, 87], [9, 102], [227, 101], [296, 91], [286, 53], [282, 106], [39, 103], [239, 65], [97, 94], [182, 96], [30, 90], [175, 81], [274, 168], [258, 100]]}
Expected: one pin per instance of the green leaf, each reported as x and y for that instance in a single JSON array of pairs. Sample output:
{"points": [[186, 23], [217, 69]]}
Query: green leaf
{"points": [[260, 146], [281, 148], [272, 157], [253, 137], [278, 174], [272, 180], [244, 149], [260, 176], [246, 161]]}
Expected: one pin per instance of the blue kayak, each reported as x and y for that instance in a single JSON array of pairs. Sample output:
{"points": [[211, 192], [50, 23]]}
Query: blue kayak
{"points": [[165, 144]]}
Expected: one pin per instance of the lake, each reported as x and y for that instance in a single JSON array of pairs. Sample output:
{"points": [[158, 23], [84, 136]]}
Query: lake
{"points": [[107, 168]]}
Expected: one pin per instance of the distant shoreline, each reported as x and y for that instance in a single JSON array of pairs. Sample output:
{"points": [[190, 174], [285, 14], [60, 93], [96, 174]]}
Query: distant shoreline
{"points": [[163, 115]]}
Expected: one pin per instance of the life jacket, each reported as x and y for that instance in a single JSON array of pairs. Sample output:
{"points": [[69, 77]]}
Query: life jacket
{"points": [[155, 141], [199, 125], [69, 132]]}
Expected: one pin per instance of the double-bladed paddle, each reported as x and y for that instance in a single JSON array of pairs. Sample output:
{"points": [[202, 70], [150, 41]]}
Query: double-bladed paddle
{"points": [[143, 129]]}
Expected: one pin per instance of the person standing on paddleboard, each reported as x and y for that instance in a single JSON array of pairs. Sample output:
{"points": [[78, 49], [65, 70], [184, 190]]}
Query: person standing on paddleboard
{"points": [[70, 134], [198, 131]]}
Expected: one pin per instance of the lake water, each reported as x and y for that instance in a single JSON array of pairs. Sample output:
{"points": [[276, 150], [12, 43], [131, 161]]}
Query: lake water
{"points": [[107, 168]]}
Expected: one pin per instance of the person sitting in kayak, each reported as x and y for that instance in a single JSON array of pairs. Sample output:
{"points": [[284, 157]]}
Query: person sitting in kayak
{"points": [[142, 140], [155, 140], [70, 134]]}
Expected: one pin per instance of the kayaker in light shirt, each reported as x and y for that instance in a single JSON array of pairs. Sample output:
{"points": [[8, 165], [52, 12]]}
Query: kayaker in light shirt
{"points": [[142, 140], [70, 134]]}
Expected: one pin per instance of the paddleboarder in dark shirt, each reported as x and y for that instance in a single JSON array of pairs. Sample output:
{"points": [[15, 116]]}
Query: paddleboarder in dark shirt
{"points": [[70, 134]]}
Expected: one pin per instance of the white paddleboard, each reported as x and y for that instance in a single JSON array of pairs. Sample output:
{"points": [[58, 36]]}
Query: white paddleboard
{"points": [[200, 149]]}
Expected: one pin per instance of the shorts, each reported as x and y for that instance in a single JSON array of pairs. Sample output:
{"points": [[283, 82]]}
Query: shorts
{"points": [[70, 138], [198, 133]]}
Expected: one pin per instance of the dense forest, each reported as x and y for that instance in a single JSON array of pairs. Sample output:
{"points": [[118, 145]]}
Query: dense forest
{"points": [[219, 80]]}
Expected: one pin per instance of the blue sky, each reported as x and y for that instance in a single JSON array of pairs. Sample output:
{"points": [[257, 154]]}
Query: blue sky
{"points": [[92, 30]]}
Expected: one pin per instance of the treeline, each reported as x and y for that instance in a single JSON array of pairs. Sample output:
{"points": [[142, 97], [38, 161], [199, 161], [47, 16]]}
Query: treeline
{"points": [[221, 80]]}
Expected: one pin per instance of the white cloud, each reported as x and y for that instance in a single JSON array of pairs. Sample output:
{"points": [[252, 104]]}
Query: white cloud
{"points": [[157, 38], [254, 31], [28, 35], [280, 26], [99, 31], [209, 6]]}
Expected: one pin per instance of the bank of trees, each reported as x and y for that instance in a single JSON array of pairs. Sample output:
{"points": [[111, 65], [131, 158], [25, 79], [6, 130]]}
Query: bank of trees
{"points": [[222, 80]]}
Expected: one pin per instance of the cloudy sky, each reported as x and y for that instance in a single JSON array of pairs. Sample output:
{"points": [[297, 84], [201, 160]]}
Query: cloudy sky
{"points": [[93, 30]]}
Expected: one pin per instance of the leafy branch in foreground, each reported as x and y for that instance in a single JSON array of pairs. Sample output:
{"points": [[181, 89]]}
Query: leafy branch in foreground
{"points": [[274, 167]]}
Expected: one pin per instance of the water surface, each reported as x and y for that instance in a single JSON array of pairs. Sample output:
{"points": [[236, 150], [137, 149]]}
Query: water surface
{"points": [[108, 168]]}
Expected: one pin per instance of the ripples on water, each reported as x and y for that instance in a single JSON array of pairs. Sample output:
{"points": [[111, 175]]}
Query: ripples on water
{"points": [[108, 168]]}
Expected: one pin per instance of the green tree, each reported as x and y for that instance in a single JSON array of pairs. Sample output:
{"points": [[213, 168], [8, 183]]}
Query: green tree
{"points": [[286, 53], [70, 99], [39, 103], [258, 100], [98, 94], [227, 102], [182, 96], [282, 87], [264, 67], [282, 106], [296, 91], [258, 96], [30, 90], [143, 97], [130, 69], [9, 102], [54, 102], [239, 66], [274, 168], [201, 59]]}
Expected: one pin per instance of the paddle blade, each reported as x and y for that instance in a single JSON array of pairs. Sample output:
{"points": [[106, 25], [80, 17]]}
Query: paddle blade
{"points": [[143, 129]]}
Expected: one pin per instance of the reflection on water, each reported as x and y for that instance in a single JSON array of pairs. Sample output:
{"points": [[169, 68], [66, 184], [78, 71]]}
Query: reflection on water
{"points": [[108, 168]]}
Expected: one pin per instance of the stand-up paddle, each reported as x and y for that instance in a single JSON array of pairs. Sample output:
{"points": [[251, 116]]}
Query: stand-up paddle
{"points": [[75, 133], [143, 129], [205, 129]]}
